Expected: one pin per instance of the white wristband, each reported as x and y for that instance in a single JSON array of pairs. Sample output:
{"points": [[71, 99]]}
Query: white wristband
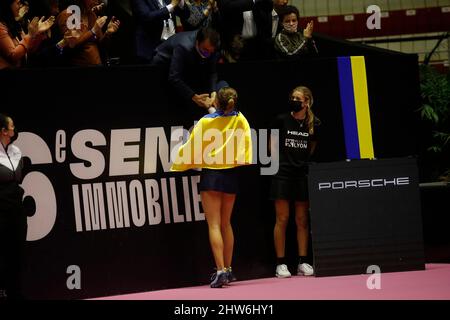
{"points": [[211, 109]]}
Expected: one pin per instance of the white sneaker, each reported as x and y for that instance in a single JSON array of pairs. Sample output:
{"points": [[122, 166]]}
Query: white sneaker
{"points": [[305, 269], [282, 271]]}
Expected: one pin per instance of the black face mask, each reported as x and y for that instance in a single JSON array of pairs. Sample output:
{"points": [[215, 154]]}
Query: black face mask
{"points": [[15, 136], [295, 106]]}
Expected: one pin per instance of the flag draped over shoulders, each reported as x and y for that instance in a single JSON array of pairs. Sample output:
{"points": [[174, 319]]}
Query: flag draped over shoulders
{"points": [[218, 141]]}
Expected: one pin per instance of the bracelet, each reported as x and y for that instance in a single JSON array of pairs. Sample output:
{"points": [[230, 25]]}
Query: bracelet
{"points": [[93, 33]]}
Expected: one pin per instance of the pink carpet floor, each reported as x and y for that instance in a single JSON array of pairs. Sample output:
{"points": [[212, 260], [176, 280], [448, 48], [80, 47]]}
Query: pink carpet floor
{"points": [[432, 283]]}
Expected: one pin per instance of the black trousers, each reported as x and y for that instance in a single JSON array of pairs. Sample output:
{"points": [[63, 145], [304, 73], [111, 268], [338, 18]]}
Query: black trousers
{"points": [[13, 232]]}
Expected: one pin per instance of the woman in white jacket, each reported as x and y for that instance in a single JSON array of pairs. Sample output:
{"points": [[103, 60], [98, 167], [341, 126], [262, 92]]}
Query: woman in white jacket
{"points": [[13, 220]]}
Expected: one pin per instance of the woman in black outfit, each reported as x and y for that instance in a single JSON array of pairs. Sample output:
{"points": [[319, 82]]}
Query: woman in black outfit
{"points": [[13, 221], [298, 138]]}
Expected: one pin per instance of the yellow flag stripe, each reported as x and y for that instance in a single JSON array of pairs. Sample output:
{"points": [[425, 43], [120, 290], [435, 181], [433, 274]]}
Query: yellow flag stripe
{"points": [[362, 107]]}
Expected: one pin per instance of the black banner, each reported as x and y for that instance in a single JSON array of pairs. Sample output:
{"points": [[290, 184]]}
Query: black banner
{"points": [[366, 217]]}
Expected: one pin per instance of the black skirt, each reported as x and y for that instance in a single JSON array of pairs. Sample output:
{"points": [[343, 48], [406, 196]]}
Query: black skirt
{"points": [[289, 189], [223, 180]]}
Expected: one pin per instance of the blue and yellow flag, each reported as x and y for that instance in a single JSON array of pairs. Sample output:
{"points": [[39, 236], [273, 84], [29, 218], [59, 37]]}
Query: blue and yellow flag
{"points": [[218, 141], [355, 107]]}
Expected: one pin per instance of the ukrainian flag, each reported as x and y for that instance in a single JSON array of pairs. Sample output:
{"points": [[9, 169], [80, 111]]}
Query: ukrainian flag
{"points": [[355, 107], [218, 141]]}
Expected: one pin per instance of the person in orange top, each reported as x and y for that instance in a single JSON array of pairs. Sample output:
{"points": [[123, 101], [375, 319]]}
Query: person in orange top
{"points": [[86, 51], [15, 44]]}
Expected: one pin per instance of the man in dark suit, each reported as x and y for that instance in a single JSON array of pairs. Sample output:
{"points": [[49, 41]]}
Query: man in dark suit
{"points": [[155, 23], [252, 19], [191, 58]]}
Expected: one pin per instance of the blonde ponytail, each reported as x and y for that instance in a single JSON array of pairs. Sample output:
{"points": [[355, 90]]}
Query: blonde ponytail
{"points": [[227, 98]]}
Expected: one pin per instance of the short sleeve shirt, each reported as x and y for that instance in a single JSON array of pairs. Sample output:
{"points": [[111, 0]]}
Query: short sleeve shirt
{"points": [[294, 145]]}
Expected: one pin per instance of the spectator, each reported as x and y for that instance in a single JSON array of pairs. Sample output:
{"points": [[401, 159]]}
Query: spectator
{"points": [[278, 5], [232, 52], [13, 219], [15, 44], [202, 13], [191, 58], [253, 20], [86, 51], [51, 50], [291, 43], [155, 23]]}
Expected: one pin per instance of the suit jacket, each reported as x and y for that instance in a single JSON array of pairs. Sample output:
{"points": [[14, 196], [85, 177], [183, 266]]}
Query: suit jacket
{"points": [[189, 74], [232, 20], [149, 20]]}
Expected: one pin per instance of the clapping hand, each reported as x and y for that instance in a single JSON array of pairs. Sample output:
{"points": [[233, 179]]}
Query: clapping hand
{"points": [[43, 26], [98, 8], [99, 23], [113, 26], [212, 5], [38, 26], [309, 30], [23, 10], [175, 2]]}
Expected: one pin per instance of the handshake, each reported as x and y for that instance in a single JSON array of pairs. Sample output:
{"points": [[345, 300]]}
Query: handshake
{"points": [[206, 101]]}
